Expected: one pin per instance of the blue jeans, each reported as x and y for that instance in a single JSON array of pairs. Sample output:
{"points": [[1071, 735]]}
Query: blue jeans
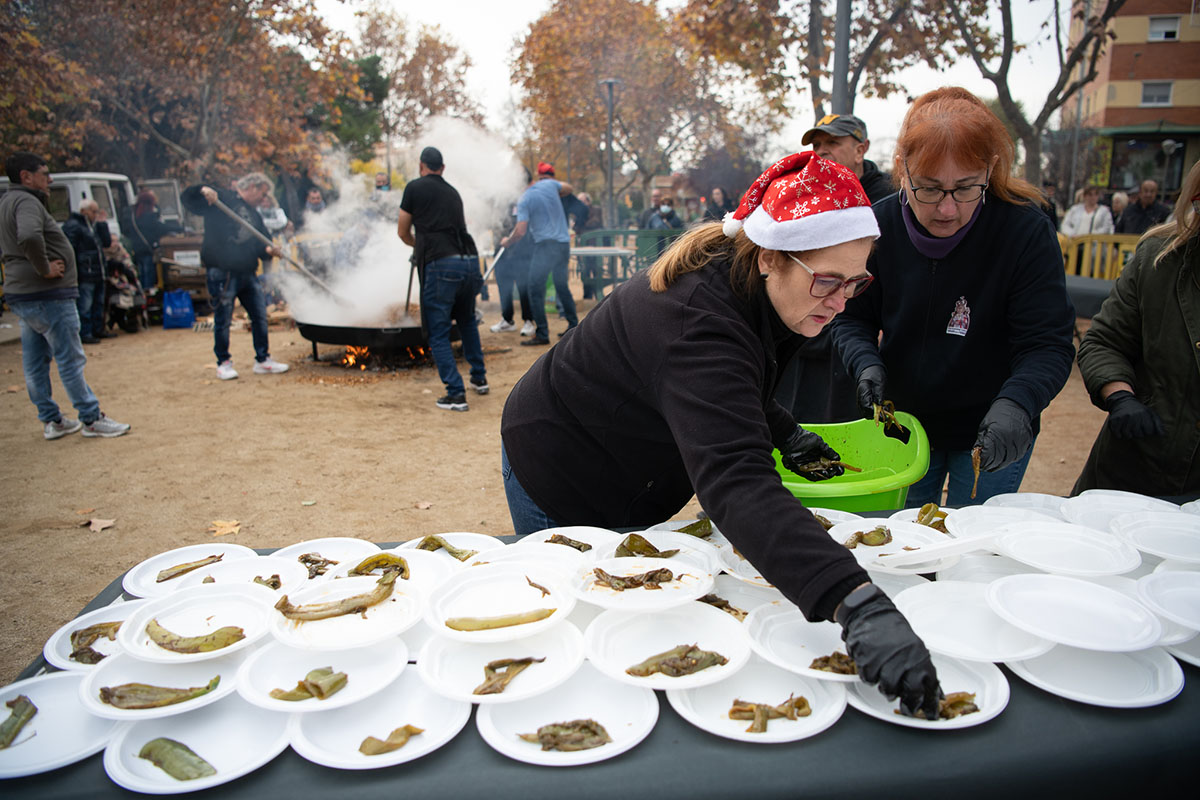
{"points": [[550, 258], [527, 517], [957, 464], [91, 308], [448, 293], [224, 287], [147, 274], [50, 329], [512, 271]]}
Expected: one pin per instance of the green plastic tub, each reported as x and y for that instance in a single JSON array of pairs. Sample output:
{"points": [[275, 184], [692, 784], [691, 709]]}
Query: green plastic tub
{"points": [[888, 467]]}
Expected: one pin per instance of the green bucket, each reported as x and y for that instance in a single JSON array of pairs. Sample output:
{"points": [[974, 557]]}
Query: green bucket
{"points": [[888, 466]]}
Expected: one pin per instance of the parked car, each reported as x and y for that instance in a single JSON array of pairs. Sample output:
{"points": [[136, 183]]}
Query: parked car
{"points": [[113, 193]]}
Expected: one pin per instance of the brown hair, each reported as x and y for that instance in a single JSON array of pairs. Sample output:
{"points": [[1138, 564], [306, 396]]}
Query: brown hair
{"points": [[701, 245], [1186, 224], [953, 123]]}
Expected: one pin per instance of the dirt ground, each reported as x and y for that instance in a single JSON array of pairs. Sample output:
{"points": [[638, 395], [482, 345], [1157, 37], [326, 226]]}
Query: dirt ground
{"points": [[319, 451]]}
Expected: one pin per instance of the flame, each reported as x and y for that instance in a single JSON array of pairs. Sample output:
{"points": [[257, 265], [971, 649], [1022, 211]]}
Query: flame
{"points": [[356, 356]]}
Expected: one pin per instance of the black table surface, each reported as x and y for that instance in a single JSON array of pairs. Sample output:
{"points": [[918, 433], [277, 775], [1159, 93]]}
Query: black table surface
{"points": [[1039, 744]]}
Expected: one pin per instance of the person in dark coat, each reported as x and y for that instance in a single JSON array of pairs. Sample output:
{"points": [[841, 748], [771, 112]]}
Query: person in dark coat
{"points": [[717, 205], [89, 239], [1145, 212], [148, 229], [970, 298], [665, 391], [1140, 363]]}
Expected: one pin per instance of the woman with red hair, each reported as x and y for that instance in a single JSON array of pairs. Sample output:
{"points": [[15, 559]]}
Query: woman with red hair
{"points": [[970, 299]]}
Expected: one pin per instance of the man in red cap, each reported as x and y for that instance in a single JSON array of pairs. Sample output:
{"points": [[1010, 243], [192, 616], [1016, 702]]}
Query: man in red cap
{"points": [[540, 214]]}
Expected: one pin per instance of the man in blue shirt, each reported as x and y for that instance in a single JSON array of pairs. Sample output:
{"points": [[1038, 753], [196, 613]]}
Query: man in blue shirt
{"points": [[540, 214]]}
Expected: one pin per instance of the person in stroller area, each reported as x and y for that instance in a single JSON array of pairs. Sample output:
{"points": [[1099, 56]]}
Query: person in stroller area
{"points": [[126, 300]]}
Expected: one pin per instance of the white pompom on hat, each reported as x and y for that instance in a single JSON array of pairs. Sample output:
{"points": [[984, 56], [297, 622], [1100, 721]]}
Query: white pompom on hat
{"points": [[803, 202]]}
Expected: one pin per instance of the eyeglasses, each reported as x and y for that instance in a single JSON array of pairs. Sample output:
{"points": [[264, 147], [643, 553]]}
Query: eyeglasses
{"points": [[931, 195], [824, 285]]}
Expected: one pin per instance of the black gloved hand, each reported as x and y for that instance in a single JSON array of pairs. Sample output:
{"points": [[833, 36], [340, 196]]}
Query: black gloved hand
{"points": [[1005, 434], [870, 390], [804, 447], [887, 652], [1130, 418]]}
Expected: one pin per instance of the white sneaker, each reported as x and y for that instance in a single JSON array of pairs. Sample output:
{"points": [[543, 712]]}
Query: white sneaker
{"points": [[225, 371], [269, 367], [65, 426], [528, 328], [502, 326]]}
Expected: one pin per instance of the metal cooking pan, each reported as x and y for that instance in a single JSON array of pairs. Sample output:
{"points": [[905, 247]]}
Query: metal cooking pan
{"points": [[379, 339]]}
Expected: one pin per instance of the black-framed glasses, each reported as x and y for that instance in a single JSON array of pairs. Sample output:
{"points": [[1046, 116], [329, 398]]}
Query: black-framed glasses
{"points": [[824, 284], [931, 195]]}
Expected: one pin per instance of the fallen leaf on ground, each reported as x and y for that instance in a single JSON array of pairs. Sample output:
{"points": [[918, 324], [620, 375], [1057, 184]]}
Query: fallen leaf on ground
{"points": [[224, 527], [85, 511], [423, 505], [14, 388], [97, 525], [308, 502]]}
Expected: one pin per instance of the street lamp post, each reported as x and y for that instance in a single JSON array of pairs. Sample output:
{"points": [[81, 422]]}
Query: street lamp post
{"points": [[612, 200]]}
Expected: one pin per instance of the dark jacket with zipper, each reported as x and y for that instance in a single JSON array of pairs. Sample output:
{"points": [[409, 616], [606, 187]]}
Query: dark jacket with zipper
{"points": [[227, 244], [88, 241], [657, 396], [875, 184], [1147, 334], [992, 319]]}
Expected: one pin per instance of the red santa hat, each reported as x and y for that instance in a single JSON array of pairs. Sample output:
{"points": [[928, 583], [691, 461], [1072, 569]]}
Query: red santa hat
{"points": [[803, 202]]}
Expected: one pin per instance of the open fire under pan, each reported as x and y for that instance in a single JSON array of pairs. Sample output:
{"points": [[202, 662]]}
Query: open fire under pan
{"points": [[378, 339]]}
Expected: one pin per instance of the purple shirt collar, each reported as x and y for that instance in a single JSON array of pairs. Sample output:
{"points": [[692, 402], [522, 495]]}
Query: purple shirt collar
{"points": [[932, 246]]}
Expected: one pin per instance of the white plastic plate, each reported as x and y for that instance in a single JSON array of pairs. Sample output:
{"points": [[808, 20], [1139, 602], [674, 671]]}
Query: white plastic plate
{"points": [[760, 682], [953, 618], [567, 560], [984, 680], [369, 670], [1166, 534], [1173, 595], [384, 620], [199, 611], [628, 714], [983, 520], [740, 567], [61, 732], [1172, 632], [233, 736], [688, 546], [1074, 612], [1066, 549], [716, 538], [492, 590], [426, 571], [600, 539], [292, 574], [910, 514], [332, 738], [780, 634], [1049, 504], [984, 568], [617, 640], [1188, 652], [893, 585], [1096, 508], [904, 534], [122, 668], [461, 539], [57, 649], [692, 579], [742, 595], [142, 580], [333, 548], [453, 669], [1115, 680]]}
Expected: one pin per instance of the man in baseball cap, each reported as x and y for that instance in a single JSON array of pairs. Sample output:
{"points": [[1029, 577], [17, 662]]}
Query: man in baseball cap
{"points": [[843, 138]]}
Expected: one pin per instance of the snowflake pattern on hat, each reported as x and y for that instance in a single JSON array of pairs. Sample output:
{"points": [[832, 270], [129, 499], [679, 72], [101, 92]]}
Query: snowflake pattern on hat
{"points": [[803, 202]]}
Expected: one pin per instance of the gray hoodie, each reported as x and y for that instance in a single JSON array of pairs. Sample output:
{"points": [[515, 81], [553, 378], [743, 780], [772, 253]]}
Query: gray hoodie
{"points": [[29, 240]]}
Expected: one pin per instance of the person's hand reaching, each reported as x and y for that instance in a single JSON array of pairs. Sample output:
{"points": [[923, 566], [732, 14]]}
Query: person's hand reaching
{"points": [[805, 447], [1130, 418], [870, 390]]}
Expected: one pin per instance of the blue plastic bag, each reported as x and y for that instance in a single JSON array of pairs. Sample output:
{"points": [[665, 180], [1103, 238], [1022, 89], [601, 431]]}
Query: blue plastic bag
{"points": [[178, 311]]}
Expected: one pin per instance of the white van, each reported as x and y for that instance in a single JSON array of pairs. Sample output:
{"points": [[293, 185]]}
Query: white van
{"points": [[113, 193]]}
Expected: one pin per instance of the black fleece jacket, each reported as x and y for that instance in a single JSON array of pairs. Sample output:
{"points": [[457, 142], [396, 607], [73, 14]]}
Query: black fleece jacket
{"points": [[659, 395], [1014, 341], [227, 245]]}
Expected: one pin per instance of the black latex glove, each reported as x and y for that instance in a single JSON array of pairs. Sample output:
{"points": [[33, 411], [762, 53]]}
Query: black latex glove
{"points": [[1130, 418], [888, 653], [1005, 434], [870, 390], [804, 447]]}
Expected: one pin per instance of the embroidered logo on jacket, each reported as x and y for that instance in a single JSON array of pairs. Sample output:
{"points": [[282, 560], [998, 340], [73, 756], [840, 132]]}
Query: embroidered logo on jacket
{"points": [[960, 320]]}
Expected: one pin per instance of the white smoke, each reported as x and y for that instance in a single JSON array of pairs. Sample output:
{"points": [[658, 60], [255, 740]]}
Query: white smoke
{"points": [[353, 246]]}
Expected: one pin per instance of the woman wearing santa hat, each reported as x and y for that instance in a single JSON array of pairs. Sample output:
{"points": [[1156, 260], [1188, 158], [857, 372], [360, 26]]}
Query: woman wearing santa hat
{"points": [[970, 297], [665, 390]]}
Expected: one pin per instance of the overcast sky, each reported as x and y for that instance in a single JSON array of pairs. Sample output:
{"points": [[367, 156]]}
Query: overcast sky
{"points": [[487, 30]]}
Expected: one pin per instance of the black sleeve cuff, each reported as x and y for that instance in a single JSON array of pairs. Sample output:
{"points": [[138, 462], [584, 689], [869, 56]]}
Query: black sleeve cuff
{"points": [[829, 601]]}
